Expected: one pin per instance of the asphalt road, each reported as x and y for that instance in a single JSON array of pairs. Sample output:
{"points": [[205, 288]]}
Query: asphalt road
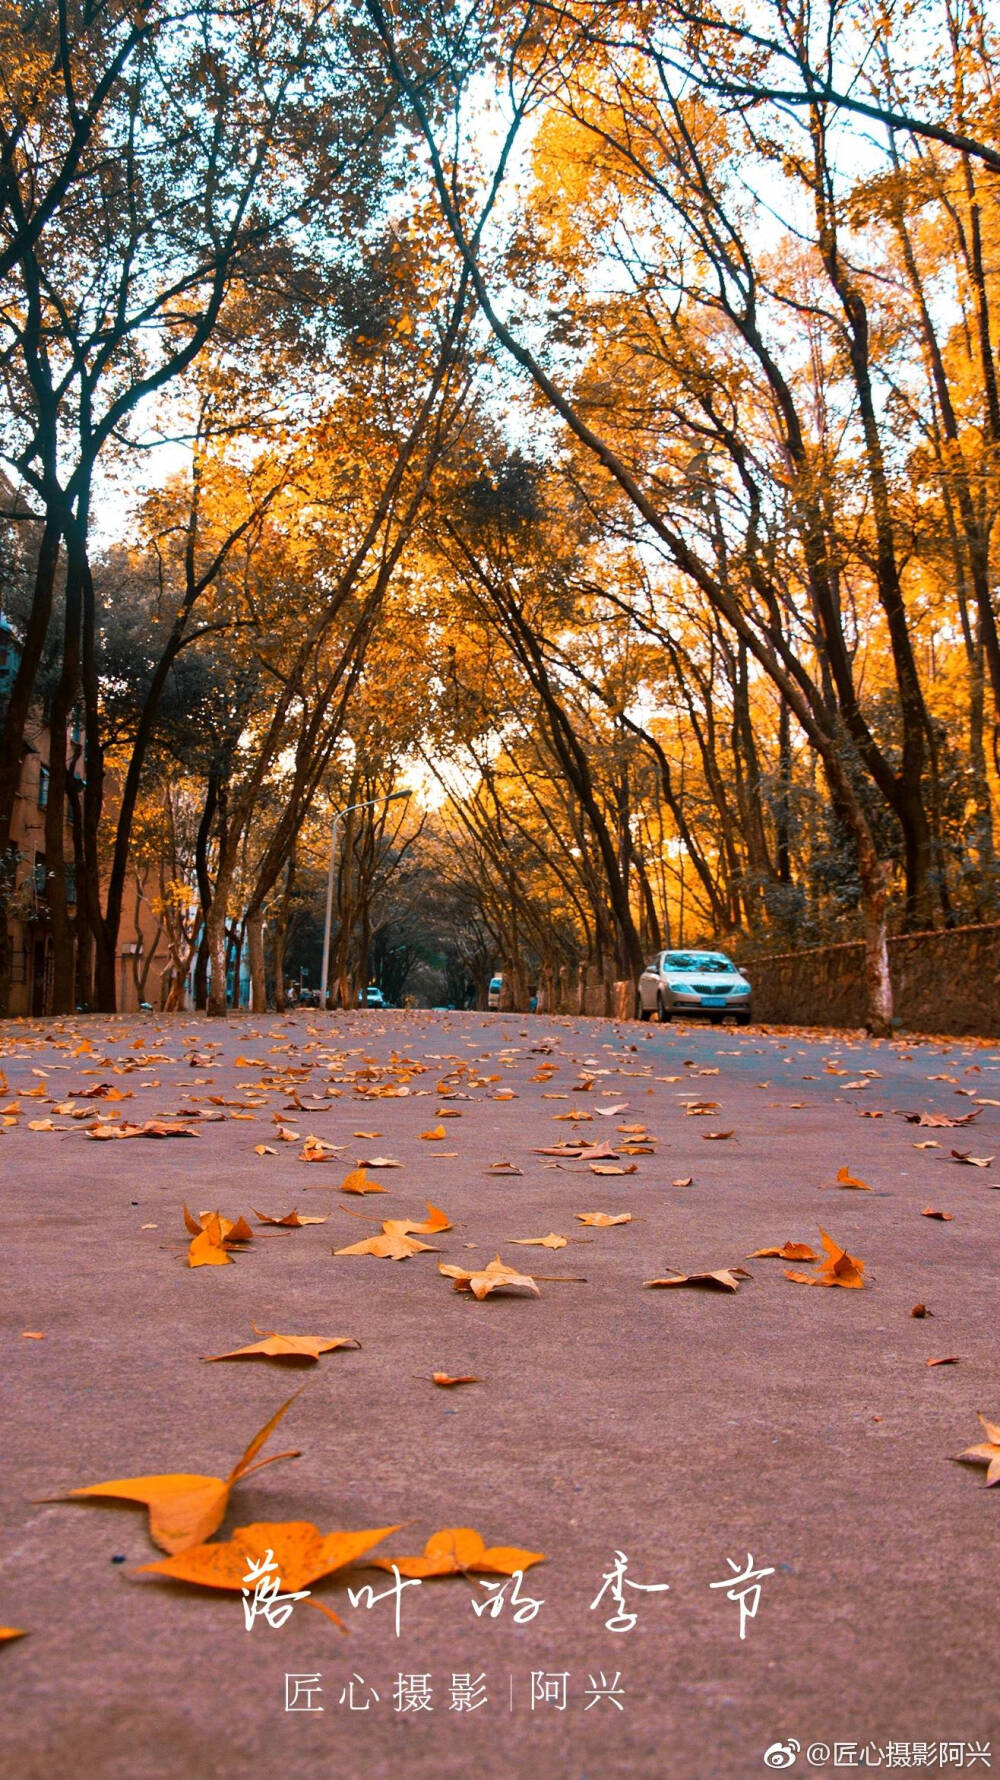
{"points": [[685, 1429]]}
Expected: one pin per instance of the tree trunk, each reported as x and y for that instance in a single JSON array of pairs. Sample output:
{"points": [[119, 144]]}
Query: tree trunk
{"points": [[878, 981], [255, 943], [216, 947]]}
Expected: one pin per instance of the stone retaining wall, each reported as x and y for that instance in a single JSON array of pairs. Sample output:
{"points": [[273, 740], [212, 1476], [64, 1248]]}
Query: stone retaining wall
{"points": [[945, 982]]}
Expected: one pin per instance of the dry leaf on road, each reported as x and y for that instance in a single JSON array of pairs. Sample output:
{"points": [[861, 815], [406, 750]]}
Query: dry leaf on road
{"points": [[944, 1216], [494, 1278], [286, 1347], [602, 1220], [357, 1182], [302, 1553], [971, 1161], [720, 1279], [846, 1179], [790, 1251], [447, 1379], [184, 1507], [839, 1268], [291, 1220], [454, 1551], [392, 1245], [988, 1453]]}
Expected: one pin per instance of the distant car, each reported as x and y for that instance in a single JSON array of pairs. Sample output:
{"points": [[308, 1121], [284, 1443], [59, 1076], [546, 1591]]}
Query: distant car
{"points": [[494, 992], [371, 997], [694, 983]]}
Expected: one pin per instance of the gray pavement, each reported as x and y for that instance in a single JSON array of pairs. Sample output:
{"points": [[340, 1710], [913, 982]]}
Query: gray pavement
{"points": [[681, 1428]]}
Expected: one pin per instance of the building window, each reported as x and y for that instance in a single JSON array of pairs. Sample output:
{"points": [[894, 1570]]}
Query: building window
{"points": [[43, 787], [40, 876]]}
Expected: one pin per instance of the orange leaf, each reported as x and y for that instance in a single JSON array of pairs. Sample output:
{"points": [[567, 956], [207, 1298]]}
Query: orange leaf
{"points": [[846, 1179], [185, 1507], [602, 1220], [357, 1182], [493, 1278], [303, 1554], [456, 1551], [789, 1251], [290, 1221], [720, 1279], [839, 1268], [447, 1379], [287, 1347]]}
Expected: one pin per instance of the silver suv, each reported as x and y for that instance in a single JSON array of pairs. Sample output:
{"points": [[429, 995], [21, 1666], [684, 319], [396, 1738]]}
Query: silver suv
{"points": [[693, 983]]}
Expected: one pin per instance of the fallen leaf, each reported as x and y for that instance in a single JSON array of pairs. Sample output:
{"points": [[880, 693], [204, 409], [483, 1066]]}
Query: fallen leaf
{"points": [[302, 1553], [315, 1149], [503, 1168], [940, 1121], [379, 1162], [455, 1551], [929, 1212], [602, 1220], [988, 1453], [446, 1379], [437, 1133], [929, 1145], [151, 1128], [720, 1279], [357, 1182], [390, 1246], [549, 1241], [946, 1360], [10, 1631], [290, 1221], [435, 1221], [686, 1181], [921, 1310], [32, 1334], [839, 1268], [790, 1251], [214, 1235], [716, 1136], [494, 1278], [184, 1507], [846, 1179], [613, 1168], [971, 1161], [287, 1347], [264, 1149]]}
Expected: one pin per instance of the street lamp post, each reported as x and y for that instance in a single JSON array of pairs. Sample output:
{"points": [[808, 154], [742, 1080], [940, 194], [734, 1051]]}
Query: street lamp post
{"points": [[373, 802]]}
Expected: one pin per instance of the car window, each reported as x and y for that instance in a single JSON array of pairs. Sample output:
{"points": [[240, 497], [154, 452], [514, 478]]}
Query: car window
{"points": [[707, 961]]}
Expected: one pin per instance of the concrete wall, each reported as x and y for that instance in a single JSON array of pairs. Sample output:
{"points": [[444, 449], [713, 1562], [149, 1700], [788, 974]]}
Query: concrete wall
{"points": [[946, 982]]}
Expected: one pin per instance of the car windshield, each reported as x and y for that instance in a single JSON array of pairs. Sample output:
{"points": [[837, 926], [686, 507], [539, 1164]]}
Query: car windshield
{"points": [[698, 961]]}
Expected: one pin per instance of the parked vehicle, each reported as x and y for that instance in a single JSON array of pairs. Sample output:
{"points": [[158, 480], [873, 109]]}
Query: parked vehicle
{"points": [[494, 992], [694, 983], [371, 997]]}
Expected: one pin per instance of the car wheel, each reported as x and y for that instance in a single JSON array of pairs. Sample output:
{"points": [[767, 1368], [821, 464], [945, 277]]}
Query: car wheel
{"points": [[743, 1018], [642, 1013], [662, 1011]]}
